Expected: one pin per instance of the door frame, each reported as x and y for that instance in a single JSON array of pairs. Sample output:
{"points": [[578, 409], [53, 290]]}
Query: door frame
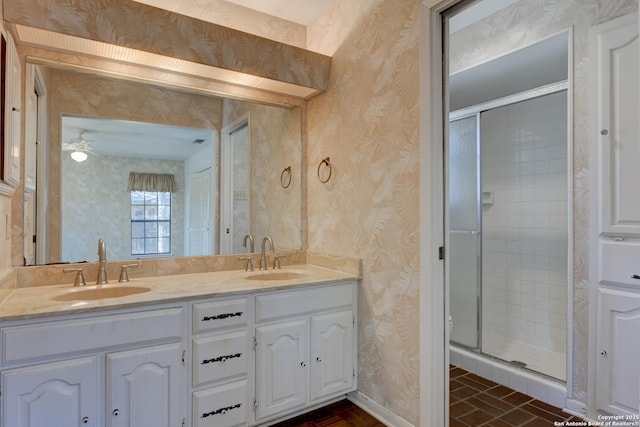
{"points": [[434, 301], [226, 178]]}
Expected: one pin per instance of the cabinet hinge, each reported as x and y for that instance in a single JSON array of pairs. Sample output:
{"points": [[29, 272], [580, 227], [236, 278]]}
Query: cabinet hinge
{"points": [[255, 405], [184, 422], [441, 252], [353, 373], [255, 343], [353, 320], [184, 357]]}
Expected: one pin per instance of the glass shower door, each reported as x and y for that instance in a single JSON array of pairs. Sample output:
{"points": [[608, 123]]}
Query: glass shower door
{"points": [[464, 231]]}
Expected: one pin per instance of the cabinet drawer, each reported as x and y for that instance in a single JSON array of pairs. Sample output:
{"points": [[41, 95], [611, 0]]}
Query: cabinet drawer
{"points": [[210, 316], [223, 406], [290, 303], [221, 357], [70, 336], [619, 261]]}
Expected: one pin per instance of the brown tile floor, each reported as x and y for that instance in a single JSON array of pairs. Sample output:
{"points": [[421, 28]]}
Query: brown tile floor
{"points": [[339, 414], [474, 402]]}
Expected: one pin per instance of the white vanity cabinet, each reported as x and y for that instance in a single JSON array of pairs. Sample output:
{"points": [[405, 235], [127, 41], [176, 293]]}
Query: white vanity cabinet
{"points": [[146, 387], [57, 394], [618, 370], [305, 348], [222, 357], [53, 371]]}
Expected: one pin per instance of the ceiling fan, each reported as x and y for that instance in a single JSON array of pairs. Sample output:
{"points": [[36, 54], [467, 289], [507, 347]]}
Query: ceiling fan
{"points": [[80, 147]]}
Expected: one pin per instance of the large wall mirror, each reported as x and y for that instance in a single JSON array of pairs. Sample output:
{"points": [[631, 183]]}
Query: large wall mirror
{"points": [[99, 134]]}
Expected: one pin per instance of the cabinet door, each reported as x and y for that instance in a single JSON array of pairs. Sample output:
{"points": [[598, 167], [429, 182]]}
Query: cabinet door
{"points": [[616, 50], [332, 352], [281, 367], [146, 387], [617, 368], [52, 394]]}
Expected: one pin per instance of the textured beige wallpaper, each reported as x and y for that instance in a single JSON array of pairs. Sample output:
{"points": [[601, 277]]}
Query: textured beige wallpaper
{"points": [[367, 123], [241, 18], [150, 29]]}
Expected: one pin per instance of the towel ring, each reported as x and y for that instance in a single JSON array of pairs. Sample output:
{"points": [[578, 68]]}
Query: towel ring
{"points": [[327, 163], [285, 177]]}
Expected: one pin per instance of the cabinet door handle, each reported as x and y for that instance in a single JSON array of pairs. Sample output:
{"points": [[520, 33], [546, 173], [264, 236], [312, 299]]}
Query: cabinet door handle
{"points": [[116, 412], [318, 360], [303, 364], [603, 352], [635, 276], [85, 420]]}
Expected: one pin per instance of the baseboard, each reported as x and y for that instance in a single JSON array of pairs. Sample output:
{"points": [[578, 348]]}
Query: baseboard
{"points": [[377, 411], [575, 408]]}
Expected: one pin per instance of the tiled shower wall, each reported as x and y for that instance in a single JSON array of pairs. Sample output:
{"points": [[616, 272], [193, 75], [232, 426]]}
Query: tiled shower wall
{"points": [[524, 256]]}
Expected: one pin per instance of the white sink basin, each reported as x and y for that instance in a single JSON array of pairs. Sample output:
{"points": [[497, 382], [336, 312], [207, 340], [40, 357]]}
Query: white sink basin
{"points": [[102, 292]]}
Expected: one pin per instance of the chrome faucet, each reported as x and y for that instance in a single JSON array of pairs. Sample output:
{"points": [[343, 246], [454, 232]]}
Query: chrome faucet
{"points": [[251, 248], [263, 260], [102, 258]]}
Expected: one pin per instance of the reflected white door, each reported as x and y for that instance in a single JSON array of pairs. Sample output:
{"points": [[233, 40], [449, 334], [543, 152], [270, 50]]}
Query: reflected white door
{"points": [[234, 187], [200, 224]]}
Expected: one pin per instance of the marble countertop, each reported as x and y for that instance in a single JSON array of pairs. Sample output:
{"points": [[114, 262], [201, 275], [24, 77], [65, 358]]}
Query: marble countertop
{"points": [[42, 301]]}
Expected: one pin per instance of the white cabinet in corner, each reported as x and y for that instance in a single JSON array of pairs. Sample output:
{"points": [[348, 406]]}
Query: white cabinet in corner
{"points": [[617, 367], [615, 52], [52, 394], [281, 367], [305, 348], [332, 353]]}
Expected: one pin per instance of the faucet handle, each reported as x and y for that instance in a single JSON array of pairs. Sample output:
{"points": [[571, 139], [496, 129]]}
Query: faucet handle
{"points": [[124, 276], [79, 280], [249, 266], [276, 261]]}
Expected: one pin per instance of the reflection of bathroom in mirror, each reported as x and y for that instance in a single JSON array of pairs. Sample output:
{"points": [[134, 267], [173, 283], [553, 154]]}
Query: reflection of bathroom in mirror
{"points": [[124, 126], [98, 156]]}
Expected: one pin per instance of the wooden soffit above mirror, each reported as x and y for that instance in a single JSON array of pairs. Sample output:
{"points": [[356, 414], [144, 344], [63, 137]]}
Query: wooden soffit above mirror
{"points": [[132, 32]]}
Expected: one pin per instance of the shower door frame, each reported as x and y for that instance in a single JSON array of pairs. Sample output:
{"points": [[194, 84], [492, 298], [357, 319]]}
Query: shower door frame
{"points": [[477, 110], [478, 232]]}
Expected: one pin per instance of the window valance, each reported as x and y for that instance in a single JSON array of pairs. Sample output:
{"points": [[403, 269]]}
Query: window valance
{"points": [[139, 181]]}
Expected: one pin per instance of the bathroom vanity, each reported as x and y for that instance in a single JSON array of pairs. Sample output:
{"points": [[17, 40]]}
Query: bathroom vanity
{"points": [[208, 349]]}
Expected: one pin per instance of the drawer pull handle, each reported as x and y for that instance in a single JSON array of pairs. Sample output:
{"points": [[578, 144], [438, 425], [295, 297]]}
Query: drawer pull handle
{"points": [[635, 276], [221, 410], [221, 316], [221, 358]]}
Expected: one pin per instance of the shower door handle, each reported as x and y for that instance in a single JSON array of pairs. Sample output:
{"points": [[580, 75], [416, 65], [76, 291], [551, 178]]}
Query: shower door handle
{"points": [[464, 231]]}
